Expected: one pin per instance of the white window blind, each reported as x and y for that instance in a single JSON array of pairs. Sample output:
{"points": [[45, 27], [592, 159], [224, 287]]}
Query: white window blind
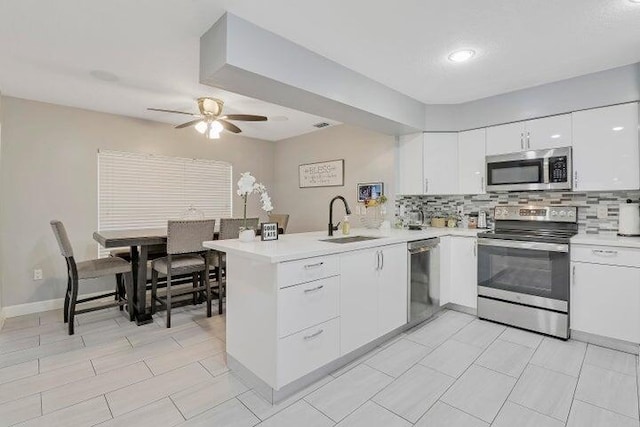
{"points": [[145, 191]]}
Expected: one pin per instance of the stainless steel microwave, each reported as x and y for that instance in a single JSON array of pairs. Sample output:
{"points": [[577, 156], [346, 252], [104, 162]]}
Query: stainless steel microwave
{"points": [[549, 169]]}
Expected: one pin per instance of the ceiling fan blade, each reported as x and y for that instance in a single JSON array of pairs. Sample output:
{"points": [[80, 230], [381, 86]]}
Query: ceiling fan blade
{"points": [[229, 126], [173, 111], [245, 117], [191, 123]]}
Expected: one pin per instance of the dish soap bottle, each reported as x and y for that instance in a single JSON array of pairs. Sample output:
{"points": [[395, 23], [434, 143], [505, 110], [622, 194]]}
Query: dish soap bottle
{"points": [[346, 227]]}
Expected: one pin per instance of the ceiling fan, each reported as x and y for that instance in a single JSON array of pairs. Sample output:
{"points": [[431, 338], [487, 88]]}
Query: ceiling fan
{"points": [[210, 122]]}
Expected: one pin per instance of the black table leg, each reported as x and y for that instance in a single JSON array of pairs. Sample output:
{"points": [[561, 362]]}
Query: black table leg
{"points": [[139, 262]]}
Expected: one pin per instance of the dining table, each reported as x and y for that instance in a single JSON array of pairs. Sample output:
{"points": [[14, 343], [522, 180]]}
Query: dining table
{"points": [[139, 241]]}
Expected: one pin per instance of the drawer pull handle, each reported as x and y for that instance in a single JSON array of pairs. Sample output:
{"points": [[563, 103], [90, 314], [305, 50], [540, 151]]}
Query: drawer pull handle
{"points": [[317, 264], [314, 335], [605, 253], [317, 288]]}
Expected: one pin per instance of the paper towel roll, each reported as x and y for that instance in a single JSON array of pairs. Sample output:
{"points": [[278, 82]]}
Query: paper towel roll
{"points": [[629, 222]]}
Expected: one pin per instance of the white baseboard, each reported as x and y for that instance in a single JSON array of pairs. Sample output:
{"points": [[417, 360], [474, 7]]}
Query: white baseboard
{"points": [[37, 307]]}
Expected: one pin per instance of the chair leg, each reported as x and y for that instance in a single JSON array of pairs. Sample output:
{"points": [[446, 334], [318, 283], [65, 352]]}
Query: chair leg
{"points": [[119, 290], [154, 290], [168, 298], [194, 276], [72, 304], [67, 296], [206, 281], [128, 285]]}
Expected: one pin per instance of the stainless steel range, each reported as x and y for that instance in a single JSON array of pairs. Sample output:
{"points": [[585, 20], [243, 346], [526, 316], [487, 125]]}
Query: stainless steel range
{"points": [[523, 268]]}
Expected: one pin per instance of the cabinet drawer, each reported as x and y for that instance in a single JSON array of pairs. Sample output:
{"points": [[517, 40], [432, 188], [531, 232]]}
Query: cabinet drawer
{"points": [[610, 255], [302, 306], [301, 353], [306, 270]]}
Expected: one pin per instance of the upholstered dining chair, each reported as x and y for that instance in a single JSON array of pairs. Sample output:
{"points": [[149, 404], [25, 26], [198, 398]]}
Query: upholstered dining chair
{"points": [[91, 269], [185, 255], [281, 219], [229, 229]]}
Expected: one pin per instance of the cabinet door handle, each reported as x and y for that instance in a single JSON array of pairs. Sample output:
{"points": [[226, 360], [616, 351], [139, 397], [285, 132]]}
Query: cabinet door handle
{"points": [[317, 288], [313, 335], [317, 264], [426, 185], [575, 179], [573, 274], [521, 141], [475, 248], [382, 260], [604, 253], [377, 260], [528, 140]]}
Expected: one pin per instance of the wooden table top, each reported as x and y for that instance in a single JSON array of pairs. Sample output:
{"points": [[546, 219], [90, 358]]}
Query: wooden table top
{"points": [[133, 237]]}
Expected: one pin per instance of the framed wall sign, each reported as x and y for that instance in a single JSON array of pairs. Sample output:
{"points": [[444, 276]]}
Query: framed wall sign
{"points": [[321, 174], [370, 190], [269, 231]]}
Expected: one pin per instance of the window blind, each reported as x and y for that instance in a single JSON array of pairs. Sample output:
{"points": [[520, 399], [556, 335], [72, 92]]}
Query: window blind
{"points": [[144, 191]]}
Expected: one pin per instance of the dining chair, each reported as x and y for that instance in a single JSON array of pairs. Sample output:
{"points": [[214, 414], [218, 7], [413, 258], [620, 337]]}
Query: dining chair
{"points": [[91, 269], [229, 229], [281, 219], [185, 255]]}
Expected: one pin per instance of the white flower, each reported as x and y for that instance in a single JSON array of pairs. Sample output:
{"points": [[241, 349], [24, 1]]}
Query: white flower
{"points": [[246, 184], [266, 202]]}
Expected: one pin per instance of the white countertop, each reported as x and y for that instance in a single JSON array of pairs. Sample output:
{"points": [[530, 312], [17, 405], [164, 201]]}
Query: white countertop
{"points": [[290, 247], [606, 239]]}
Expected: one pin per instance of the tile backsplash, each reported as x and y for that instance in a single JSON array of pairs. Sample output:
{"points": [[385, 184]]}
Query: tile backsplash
{"points": [[587, 203]]}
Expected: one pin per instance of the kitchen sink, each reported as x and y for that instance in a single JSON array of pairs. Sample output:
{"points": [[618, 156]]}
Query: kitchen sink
{"points": [[349, 239]]}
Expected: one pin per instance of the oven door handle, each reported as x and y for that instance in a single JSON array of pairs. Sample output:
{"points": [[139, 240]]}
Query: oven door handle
{"points": [[518, 244]]}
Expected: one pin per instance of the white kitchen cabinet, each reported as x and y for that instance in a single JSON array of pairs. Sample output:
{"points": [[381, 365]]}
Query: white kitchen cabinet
{"points": [[505, 139], [358, 298], [537, 134], [605, 300], [548, 132], [409, 168], [440, 163], [605, 149], [392, 288], [463, 274], [471, 161], [373, 296]]}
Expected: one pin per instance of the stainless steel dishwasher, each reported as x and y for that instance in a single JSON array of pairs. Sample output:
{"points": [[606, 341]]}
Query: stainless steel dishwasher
{"points": [[424, 279]]}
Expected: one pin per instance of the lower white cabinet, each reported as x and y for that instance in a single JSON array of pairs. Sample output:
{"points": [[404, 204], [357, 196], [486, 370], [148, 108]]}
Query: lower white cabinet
{"points": [[463, 274], [605, 300], [373, 294]]}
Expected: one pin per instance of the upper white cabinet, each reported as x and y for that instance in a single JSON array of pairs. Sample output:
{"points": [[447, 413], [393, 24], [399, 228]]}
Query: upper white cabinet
{"points": [[410, 180], [373, 294], [606, 155], [440, 163], [538, 134], [471, 161], [505, 138], [549, 132]]}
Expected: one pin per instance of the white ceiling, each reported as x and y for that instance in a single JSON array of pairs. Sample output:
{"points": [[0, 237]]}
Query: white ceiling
{"points": [[48, 48]]}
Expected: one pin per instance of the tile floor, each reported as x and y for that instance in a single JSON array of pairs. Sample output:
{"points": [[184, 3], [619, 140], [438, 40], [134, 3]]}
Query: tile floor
{"points": [[452, 371]]}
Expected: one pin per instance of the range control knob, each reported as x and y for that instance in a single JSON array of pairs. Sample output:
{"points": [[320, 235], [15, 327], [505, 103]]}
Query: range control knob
{"points": [[554, 213], [570, 213], [563, 213]]}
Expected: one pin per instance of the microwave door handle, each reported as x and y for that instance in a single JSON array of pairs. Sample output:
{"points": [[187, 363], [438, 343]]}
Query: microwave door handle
{"points": [[517, 244]]}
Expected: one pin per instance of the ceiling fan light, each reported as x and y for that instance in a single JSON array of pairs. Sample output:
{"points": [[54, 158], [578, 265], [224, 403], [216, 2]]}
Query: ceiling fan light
{"points": [[216, 127], [201, 127], [213, 134]]}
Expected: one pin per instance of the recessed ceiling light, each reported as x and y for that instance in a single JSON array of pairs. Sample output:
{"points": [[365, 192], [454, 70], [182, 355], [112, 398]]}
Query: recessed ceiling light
{"points": [[461, 55], [619, 128], [105, 76], [556, 136]]}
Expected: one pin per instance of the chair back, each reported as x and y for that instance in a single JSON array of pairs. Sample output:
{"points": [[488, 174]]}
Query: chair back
{"points": [[230, 227], [186, 236], [63, 239], [281, 219]]}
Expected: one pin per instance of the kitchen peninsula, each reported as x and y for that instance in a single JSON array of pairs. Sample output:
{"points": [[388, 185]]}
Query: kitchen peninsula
{"points": [[302, 306]]}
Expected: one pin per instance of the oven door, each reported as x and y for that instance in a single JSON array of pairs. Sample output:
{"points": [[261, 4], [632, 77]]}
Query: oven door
{"points": [[529, 273]]}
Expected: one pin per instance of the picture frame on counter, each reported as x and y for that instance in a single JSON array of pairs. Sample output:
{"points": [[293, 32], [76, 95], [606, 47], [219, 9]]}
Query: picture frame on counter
{"points": [[268, 231], [321, 174], [370, 190]]}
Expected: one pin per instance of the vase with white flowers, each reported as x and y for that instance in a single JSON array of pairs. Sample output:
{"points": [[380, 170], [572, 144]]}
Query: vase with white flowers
{"points": [[247, 185]]}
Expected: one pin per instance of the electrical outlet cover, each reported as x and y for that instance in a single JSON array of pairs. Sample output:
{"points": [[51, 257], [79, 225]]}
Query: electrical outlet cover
{"points": [[37, 274]]}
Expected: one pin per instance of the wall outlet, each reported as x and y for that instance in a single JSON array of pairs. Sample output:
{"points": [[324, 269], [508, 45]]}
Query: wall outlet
{"points": [[37, 274], [603, 212]]}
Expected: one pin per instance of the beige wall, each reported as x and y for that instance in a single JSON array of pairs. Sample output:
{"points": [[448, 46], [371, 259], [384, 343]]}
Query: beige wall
{"points": [[368, 156], [48, 170]]}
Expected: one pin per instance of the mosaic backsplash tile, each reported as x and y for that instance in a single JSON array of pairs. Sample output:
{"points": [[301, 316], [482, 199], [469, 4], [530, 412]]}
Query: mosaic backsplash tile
{"points": [[587, 204]]}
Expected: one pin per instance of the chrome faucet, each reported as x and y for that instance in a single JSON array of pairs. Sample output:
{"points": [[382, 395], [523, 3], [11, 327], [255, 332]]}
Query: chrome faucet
{"points": [[346, 208]]}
